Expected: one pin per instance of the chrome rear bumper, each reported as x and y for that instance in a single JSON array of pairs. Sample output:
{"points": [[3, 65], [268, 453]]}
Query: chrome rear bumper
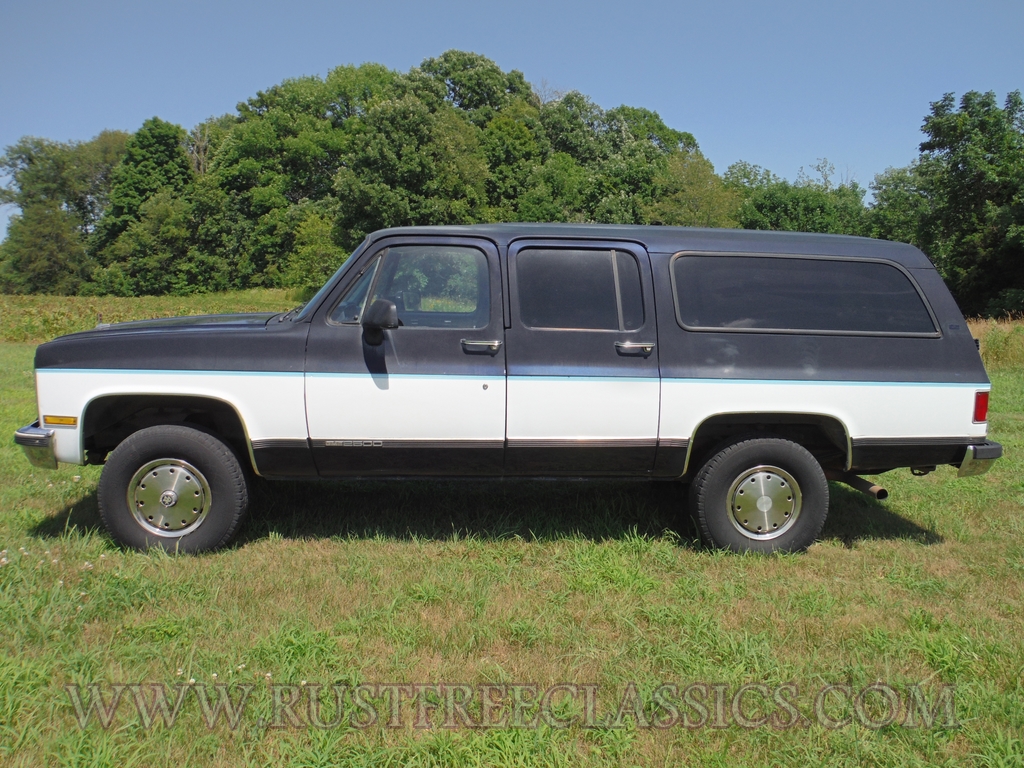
{"points": [[37, 444], [979, 459]]}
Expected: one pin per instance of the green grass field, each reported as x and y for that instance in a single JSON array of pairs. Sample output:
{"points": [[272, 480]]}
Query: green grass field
{"points": [[593, 584]]}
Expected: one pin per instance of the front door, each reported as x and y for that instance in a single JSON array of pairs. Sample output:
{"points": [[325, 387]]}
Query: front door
{"points": [[582, 357], [431, 398]]}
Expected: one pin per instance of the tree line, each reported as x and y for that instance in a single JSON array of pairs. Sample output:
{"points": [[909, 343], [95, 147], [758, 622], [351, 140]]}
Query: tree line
{"points": [[278, 193]]}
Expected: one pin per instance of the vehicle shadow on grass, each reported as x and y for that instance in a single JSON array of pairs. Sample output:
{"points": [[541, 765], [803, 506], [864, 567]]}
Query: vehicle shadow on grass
{"points": [[429, 509], [484, 509], [530, 509], [495, 509], [82, 517], [854, 516]]}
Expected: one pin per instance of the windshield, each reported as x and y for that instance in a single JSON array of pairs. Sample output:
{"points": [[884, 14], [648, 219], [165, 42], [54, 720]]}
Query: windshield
{"points": [[313, 303]]}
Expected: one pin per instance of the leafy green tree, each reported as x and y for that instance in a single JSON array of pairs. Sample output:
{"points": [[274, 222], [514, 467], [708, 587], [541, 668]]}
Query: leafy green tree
{"points": [[647, 125], [514, 147], [149, 252], [794, 208], [690, 194], [746, 178], [74, 177], [575, 126], [625, 180], [348, 90], [972, 165], [284, 152], [316, 256], [556, 191], [902, 203], [475, 84], [408, 165], [809, 205], [43, 252], [61, 190], [616, 157], [154, 161], [212, 238], [94, 163], [962, 200], [35, 169], [203, 142], [155, 236]]}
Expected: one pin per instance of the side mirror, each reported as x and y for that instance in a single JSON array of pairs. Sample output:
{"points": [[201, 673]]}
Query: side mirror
{"points": [[380, 315]]}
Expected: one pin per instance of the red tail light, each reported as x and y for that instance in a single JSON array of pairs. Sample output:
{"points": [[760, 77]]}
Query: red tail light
{"points": [[980, 407]]}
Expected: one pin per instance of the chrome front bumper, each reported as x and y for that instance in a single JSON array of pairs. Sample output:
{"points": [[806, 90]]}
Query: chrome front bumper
{"points": [[979, 459], [37, 444]]}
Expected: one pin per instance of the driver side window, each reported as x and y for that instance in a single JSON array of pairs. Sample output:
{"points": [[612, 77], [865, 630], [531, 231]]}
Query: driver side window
{"points": [[432, 286]]}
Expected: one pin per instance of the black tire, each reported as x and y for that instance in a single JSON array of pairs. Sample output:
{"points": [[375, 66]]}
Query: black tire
{"points": [[196, 497], [787, 513]]}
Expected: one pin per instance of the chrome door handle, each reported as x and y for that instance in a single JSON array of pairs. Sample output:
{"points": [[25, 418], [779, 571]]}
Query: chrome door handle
{"points": [[470, 345], [627, 347]]}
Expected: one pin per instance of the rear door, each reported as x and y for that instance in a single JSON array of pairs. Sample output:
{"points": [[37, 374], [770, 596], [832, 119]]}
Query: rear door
{"points": [[582, 358], [431, 398]]}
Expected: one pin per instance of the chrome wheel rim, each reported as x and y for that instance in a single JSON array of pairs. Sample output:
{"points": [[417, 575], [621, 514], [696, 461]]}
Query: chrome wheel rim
{"points": [[169, 497], [764, 502]]}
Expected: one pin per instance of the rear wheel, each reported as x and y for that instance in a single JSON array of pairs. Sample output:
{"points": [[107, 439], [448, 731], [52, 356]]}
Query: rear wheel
{"points": [[760, 495], [173, 487]]}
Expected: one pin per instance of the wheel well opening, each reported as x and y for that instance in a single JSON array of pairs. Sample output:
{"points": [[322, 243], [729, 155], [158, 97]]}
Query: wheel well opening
{"points": [[824, 437], [109, 420]]}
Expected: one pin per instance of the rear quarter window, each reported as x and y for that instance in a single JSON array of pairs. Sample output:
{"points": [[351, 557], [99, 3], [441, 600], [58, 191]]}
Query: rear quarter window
{"points": [[797, 295]]}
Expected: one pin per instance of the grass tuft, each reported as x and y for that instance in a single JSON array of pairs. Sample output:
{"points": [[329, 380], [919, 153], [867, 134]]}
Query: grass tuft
{"points": [[1002, 342]]}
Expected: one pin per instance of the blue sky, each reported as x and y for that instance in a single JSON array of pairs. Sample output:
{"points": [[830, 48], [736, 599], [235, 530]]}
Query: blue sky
{"points": [[779, 84]]}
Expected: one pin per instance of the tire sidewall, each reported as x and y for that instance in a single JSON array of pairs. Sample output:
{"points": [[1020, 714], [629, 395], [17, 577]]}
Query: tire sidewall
{"points": [[710, 491], [211, 457]]}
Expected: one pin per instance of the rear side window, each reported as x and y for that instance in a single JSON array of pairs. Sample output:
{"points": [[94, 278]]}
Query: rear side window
{"points": [[765, 293], [579, 289]]}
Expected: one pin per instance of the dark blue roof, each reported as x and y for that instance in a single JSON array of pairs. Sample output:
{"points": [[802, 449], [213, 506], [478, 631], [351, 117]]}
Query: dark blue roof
{"points": [[673, 239]]}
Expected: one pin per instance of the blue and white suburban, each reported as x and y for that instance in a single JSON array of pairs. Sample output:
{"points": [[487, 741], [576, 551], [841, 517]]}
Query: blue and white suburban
{"points": [[754, 366]]}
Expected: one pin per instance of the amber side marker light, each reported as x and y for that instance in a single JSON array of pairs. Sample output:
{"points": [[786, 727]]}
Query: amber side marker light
{"points": [[980, 407], [72, 421]]}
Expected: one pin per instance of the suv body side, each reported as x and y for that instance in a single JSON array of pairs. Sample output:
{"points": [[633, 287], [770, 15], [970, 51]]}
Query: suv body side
{"points": [[876, 401]]}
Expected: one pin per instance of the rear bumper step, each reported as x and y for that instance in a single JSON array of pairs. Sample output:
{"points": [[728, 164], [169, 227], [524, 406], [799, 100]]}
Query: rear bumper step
{"points": [[979, 458]]}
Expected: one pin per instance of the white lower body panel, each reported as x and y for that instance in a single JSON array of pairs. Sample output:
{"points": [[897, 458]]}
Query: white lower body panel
{"points": [[270, 404], [342, 406], [867, 409], [571, 408]]}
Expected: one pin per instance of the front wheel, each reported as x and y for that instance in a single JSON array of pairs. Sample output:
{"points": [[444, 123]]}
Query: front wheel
{"points": [[173, 487], [760, 495]]}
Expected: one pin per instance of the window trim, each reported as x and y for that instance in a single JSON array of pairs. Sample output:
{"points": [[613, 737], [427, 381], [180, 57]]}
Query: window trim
{"points": [[374, 263], [936, 334], [599, 247]]}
